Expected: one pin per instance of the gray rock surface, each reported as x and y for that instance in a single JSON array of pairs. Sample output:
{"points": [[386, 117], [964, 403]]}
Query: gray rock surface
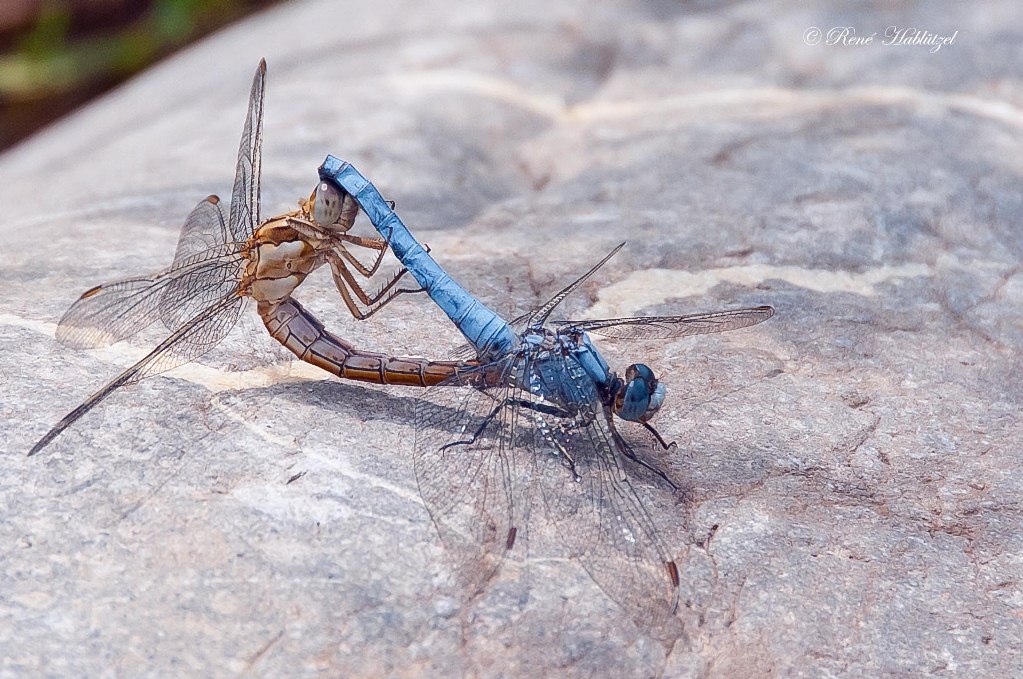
{"points": [[854, 463]]}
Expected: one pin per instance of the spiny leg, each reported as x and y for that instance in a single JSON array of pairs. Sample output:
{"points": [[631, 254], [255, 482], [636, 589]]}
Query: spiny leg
{"points": [[378, 244], [656, 435], [344, 278], [628, 452], [345, 283], [358, 313], [368, 242], [528, 405]]}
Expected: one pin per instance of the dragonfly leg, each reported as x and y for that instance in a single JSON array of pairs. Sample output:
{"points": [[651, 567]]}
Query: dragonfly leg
{"points": [[373, 303], [529, 405], [656, 435], [346, 284], [370, 243], [378, 244], [628, 452]]}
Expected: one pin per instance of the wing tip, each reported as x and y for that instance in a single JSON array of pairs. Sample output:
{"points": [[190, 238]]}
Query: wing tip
{"points": [[262, 66], [42, 443]]}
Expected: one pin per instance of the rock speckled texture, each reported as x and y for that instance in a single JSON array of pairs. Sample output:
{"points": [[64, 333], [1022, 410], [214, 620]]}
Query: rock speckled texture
{"points": [[854, 464]]}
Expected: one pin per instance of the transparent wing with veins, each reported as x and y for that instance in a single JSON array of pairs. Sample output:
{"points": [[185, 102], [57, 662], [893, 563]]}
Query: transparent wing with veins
{"points": [[671, 327], [485, 456], [470, 490], [190, 341], [245, 196], [206, 266], [115, 311], [584, 483], [204, 234]]}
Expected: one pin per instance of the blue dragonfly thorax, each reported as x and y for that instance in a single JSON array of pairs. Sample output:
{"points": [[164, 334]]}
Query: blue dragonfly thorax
{"points": [[636, 398]]}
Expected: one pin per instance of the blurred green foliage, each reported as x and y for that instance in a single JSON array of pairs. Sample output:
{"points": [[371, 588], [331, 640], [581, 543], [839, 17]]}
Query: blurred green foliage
{"points": [[66, 51]]}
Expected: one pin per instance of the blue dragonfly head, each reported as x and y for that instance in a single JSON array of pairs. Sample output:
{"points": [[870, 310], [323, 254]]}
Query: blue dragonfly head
{"points": [[640, 396]]}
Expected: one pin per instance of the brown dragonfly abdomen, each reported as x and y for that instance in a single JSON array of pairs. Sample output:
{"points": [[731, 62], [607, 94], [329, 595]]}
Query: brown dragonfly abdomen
{"points": [[298, 330]]}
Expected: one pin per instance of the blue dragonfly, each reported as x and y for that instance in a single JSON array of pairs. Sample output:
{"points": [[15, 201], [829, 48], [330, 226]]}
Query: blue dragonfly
{"points": [[532, 426]]}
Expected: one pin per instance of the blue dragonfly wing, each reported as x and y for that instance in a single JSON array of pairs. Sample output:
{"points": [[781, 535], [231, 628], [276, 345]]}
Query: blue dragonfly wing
{"points": [[532, 436], [468, 468], [540, 314], [596, 509], [671, 327], [463, 352]]}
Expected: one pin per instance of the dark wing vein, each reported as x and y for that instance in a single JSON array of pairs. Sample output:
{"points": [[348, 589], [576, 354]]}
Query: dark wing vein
{"points": [[198, 287], [204, 233], [539, 315], [463, 352]]}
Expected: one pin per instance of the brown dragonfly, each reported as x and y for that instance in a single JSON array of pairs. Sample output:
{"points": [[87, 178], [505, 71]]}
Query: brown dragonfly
{"points": [[220, 263]]}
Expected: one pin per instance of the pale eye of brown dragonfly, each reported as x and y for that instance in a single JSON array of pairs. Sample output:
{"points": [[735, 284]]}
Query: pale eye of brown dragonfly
{"points": [[327, 204]]}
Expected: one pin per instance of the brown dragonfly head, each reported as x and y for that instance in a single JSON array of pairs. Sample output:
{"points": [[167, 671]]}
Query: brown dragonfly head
{"points": [[331, 208]]}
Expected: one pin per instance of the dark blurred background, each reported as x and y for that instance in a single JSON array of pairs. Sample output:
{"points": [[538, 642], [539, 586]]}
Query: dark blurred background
{"points": [[57, 54]]}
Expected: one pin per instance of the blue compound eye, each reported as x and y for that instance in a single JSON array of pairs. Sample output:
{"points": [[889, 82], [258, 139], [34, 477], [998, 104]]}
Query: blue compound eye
{"points": [[326, 204], [641, 396]]}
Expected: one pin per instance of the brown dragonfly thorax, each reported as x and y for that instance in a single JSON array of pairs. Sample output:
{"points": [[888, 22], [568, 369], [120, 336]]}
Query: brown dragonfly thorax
{"points": [[280, 257]]}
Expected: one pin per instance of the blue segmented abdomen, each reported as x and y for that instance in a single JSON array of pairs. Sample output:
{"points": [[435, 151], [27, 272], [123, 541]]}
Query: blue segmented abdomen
{"points": [[485, 330]]}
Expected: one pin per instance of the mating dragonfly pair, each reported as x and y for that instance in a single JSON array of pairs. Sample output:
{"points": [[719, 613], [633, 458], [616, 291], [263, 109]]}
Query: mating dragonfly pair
{"points": [[529, 413]]}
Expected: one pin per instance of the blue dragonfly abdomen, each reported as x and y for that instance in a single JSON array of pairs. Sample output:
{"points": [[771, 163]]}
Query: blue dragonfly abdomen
{"points": [[483, 328]]}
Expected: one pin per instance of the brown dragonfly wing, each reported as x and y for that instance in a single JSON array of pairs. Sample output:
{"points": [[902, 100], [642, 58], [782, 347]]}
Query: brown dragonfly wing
{"points": [[197, 287], [204, 236], [204, 233], [205, 269], [245, 196], [114, 311], [191, 340]]}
